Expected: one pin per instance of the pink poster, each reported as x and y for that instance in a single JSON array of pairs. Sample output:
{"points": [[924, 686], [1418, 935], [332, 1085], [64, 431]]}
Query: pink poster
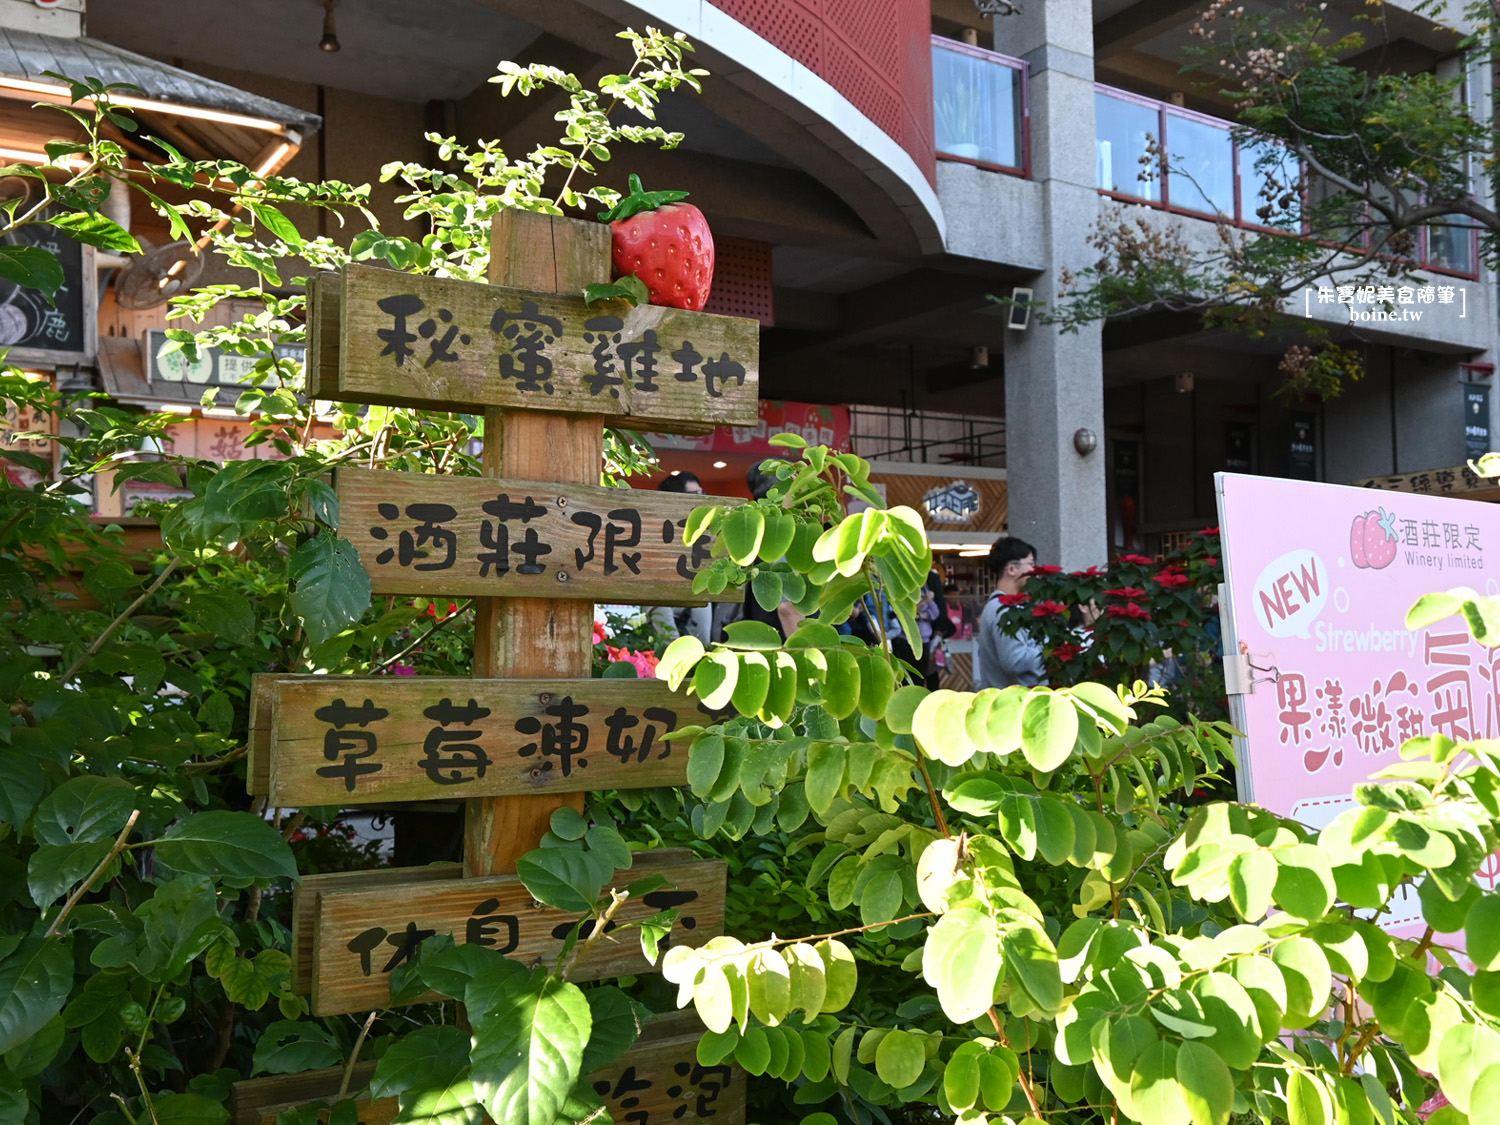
{"points": [[1318, 579]]}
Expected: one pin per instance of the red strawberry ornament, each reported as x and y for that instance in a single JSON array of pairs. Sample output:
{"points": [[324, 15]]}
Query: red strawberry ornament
{"points": [[664, 242]]}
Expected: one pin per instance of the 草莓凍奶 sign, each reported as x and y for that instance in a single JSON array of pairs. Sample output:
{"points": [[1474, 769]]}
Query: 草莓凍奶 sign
{"points": [[343, 740], [422, 534], [351, 934], [389, 338], [1318, 579]]}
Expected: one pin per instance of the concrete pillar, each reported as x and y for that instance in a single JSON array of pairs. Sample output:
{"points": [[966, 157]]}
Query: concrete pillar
{"points": [[1054, 382]]}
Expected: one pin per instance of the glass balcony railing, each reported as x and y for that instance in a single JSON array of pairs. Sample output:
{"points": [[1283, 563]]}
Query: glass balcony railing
{"points": [[979, 106], [1156, 153]]}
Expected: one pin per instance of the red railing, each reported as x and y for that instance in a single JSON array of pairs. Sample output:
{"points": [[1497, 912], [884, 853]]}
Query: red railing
{"points": [[1208, 172], [980, 111]]}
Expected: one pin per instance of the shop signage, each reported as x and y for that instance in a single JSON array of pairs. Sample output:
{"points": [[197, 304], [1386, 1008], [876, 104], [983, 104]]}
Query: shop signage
{"points": [[526, 734], [1476, 420], [419, 533], [1302, 452], [209, 366], [344, 740], [400, 340], [1318, 580], [955, 502]]}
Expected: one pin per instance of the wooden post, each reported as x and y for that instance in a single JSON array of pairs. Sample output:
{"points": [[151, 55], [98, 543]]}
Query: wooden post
{"points": [[534, 638]]}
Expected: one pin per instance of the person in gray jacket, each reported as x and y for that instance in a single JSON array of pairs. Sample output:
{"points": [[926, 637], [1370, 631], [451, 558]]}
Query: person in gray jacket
{"points": [[1004, 660]]}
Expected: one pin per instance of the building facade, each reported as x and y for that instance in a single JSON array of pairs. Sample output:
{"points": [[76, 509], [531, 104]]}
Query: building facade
{"points": [[875, 171]]}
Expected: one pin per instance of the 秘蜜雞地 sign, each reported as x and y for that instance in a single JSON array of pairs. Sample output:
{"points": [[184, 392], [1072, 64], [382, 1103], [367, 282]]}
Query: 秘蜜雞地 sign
{"points": [[391, 338]]}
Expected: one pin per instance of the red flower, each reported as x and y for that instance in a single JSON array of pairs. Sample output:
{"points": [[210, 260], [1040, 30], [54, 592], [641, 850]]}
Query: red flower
{"points": [[1173, 581], [1046, 570], [1209, 531], [1182, 624], [600, 636], [1048, 609], [1127, 592], [1211, 562], [1093, 572], [1130, 610], [1139, 560], [1014, 599], [1066, 653]]}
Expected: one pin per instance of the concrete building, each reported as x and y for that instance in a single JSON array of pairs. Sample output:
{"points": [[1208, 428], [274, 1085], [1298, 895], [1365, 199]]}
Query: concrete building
{"points": [[875, 169]]}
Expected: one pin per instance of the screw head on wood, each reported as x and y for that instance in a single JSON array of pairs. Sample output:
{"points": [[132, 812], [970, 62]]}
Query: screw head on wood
{"points": [[562, 501], [545, 697], [562, 576]]}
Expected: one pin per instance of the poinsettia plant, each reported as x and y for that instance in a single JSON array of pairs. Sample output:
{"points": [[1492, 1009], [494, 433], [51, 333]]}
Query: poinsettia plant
{"points": [[1153, 619]]}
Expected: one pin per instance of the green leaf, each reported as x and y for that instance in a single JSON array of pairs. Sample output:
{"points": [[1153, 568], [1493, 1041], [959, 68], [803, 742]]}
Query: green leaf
{"points": [[32, 268], [1304, 882], [275, 222], [1155, 1093], [840, 973], [1049, 728], [900, 1058], [1466, 1051], [528, 1047], [563, 877], [84, 809], [35, 979], [741, 533], [617, 1022], [1030, 956], [705, 762], [1055, 831], [97, 230], [22, 784], [752, 635], [962, 961], [825, 774], [1308, 978], [1207, 1086], [1308, 1103], [289, 1046], [1252, 876], [188, 1109], [1482, 932], [224, 845], [330, 588], [55, 869], [432, 1058]]}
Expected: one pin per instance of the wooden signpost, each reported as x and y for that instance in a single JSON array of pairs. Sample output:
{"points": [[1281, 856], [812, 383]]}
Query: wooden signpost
{"points": [[535, 541], [659, 1082]]}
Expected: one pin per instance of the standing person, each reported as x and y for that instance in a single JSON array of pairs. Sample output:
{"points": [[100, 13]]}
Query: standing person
{"points": [[684, 621], [1005, 660]]}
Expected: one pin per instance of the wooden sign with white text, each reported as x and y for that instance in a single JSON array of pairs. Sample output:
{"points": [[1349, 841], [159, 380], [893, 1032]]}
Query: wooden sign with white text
{"points": [[396, 339], [361, 933], [422, 534], [336, 740]]}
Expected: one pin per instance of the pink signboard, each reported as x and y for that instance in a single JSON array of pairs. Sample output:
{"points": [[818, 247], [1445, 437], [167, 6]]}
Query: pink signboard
{"points": [[1318, 579]]}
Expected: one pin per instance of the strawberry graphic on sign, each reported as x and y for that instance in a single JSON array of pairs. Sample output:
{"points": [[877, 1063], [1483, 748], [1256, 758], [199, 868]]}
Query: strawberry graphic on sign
{"points": [[1373, 539]]}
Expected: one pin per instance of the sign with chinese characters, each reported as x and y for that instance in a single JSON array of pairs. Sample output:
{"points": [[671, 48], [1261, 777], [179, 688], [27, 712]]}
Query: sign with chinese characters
{"points": [[1302, 449], [360, 932], [422, 534], [1476, 420], [211, 366], [335, 740], [1318, 580], [1457, 481], [395, 339], [659, 1081]]}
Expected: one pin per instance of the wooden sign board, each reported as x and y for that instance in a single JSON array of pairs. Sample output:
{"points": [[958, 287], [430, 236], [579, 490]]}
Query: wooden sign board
{"points": [[397, 339], [417, 533], [659, 1081], [362, 932], [336, 740]]}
